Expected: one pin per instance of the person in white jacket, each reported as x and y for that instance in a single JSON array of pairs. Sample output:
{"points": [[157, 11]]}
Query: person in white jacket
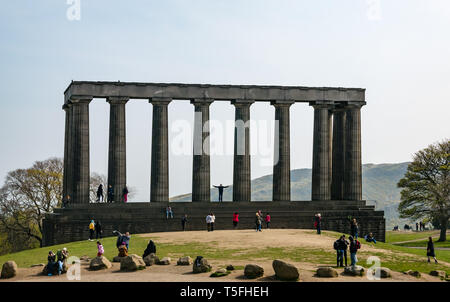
{"points": [[208, 222], [213, 220]]}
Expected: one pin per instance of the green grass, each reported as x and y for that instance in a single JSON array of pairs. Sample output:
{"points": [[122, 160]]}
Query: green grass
{"points": [[211, 251], [423, 243], [399, 236]]}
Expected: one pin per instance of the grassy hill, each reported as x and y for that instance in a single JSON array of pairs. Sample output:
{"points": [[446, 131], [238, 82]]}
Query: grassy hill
{"points": [[379, 188]]}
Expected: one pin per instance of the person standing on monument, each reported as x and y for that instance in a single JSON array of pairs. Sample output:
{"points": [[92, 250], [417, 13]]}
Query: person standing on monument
{"points": [[169, 212], [235, 219], [125, 194], [318, 222], [183, 222], [91, 230], [110, 194], [66, 201], [220, 187], [267, 219], [98, 229], [208, 222], [100, 193]]}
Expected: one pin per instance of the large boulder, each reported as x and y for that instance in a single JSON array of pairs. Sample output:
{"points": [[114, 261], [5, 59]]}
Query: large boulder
{"points": [[285, 271], [132, 263], [151, 259], [327, 272], [99, 263], [202, 267], [253, 271], [164, 261], [382, 272], [118, 259], [9, 270], [356, 270], [440, 274], [184, 261], [413, 273]]}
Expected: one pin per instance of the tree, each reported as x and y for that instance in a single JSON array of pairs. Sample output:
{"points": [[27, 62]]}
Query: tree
{"points": [[426, 186], [28, 194]]}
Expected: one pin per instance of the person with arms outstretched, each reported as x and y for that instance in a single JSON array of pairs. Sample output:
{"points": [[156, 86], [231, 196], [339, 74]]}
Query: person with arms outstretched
{"points": [[220, 187]]}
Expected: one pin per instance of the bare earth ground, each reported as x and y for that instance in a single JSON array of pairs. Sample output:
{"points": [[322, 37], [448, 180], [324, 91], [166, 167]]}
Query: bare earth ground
{"points": [[227, 239]]}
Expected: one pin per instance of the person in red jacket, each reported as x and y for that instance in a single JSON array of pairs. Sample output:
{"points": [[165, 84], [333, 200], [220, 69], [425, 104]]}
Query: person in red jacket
{"points": [[267, 219], [235, 219]]}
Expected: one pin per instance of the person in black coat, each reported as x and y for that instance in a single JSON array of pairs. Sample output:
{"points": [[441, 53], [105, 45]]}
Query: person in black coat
{"points": [[430, 250], [98, 230], [343, 246], [184, 220], [151, 249]]}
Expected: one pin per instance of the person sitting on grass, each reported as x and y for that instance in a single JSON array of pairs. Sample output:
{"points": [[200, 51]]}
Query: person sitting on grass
{"points": [[51, 263], [100, 249], [123, 251], [370, 238]]}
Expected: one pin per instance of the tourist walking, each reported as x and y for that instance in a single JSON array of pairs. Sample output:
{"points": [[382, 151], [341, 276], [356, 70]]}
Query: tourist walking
{"points": [[235, 219], [184, 220], [100, 193], [151, 249], [354, 228], [213, 221], [355, 245], [125, 194], [258, 222], [110, 194], [220, 187], [267, 219], [430, 250], [91, 230], [169, 212], [208, 222], [98, 230], [100, 249], [318, 222]]}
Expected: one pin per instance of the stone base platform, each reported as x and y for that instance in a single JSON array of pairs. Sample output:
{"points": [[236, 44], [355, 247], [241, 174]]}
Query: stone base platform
{"points": [[72, 223]]}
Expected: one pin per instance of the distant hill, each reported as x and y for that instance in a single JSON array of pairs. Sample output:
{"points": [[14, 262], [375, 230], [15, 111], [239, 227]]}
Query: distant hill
{"points": [[379, 188]]}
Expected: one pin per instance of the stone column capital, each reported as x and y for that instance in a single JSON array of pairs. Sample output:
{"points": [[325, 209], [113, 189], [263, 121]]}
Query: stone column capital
{"points": [[282, 103], [66, 107], [242, 102], [322, 104], [202, 102], [160, 100], [74, 99], [117, 99], [354, 105]]}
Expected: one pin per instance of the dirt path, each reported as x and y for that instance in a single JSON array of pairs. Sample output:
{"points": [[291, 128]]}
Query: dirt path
{"points": [[241, 239]]}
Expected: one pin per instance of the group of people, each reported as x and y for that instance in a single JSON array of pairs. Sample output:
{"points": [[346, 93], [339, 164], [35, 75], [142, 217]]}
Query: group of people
{"points": [[55, 263], [210, 221], [420, 226], [341, 245], [95, 228], [110, 194], [259, 220]]}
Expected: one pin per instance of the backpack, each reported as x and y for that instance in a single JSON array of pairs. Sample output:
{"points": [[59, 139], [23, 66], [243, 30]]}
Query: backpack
{"points": [[357, 244], [336, 245]]}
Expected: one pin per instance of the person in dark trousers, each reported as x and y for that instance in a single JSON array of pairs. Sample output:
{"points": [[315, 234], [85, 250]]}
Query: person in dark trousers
{"points": [[125, 194], [430, 250], [235, 219], [51, 262], [213, 221], [258, 222], [370, 238], [343, 247], [91, 230], [318, 222], [184, 220], [267, 219], [208, 222], [66, 201], [100, 193], [220, 187], [354, 228], [354, 247], [339, 252], [169, 212], [110, 194], [151, 249], [98, 230]]}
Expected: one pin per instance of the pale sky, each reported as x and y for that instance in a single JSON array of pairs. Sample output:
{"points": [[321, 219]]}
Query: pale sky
{"points": [[397, 49]]}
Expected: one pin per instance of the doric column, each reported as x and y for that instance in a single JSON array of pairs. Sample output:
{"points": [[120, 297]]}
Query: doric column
{"points": [[117, 159], [159, 187], [282, 157], [201, 179], [67, 136], [321, 183], [241, 164], [338, 150], [80, 150], [353, 166]]}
